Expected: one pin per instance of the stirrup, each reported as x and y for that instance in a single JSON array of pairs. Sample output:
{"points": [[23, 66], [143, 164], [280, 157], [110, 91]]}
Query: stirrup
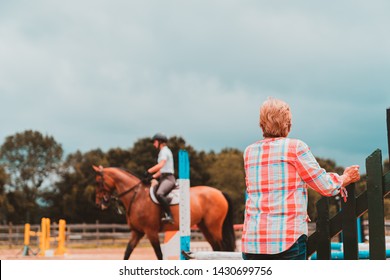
{"points": [[167, 219]]}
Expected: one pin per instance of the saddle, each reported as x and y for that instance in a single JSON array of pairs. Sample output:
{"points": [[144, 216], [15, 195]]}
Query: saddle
{"points": [[173, 196]]}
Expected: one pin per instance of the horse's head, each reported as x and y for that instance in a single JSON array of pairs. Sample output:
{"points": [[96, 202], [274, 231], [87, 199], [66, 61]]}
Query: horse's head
{"points": [[105, 187]]}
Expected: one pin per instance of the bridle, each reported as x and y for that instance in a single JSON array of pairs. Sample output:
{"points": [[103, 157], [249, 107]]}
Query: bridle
{"points": [[107, 196], [101, 188]]}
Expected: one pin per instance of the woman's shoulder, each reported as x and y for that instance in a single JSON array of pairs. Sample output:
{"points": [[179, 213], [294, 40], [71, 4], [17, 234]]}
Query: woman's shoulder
{"points": [[252, 146], [295, 141], [296, 144]]}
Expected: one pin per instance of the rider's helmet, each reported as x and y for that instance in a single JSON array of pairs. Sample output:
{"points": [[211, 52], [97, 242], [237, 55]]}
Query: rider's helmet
{"points": [[160, 138]]}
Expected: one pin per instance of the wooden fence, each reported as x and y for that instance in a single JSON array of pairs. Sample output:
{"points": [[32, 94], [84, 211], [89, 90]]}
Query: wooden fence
{"points": [[94, 234], [371, 201], [86, 234]]}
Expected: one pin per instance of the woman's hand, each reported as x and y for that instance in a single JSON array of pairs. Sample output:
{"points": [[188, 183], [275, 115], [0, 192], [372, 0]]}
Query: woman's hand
{"points": [[350, 175]]}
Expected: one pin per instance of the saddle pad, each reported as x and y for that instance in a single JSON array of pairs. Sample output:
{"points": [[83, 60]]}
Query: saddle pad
{"points": [[173, 196]]}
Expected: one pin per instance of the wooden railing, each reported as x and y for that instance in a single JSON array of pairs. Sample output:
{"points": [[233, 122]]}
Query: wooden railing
{"points": [[371, 201]]}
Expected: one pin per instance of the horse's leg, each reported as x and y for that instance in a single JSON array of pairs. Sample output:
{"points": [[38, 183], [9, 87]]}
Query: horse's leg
{"points": [[219, 225], [212, 235], [134, 239], [213, 218], [154, 240]]}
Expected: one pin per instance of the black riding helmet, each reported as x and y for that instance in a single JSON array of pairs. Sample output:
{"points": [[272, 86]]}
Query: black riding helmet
{"points": [[160, 137]]}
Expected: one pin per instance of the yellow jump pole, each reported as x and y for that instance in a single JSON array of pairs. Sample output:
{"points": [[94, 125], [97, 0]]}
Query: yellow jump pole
{"points": [[42, 236], [44, 241], [61, 238], [47, 239], [26, 247]]}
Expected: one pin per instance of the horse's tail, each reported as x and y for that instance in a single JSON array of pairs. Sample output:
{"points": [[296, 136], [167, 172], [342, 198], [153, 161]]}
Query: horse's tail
{"points": [[228, 235]]}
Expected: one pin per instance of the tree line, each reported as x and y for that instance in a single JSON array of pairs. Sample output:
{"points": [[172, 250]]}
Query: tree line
{"points": [[37, 180]]}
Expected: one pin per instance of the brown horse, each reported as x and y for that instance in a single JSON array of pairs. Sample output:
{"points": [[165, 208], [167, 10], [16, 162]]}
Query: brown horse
{"points": [[211, 210]]}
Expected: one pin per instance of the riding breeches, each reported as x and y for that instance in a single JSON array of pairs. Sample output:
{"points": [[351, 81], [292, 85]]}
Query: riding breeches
{"points": [[167, 183]]}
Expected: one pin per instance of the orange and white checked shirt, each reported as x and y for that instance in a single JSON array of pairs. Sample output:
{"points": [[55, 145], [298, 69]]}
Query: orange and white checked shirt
{"points": [[278, 172]]}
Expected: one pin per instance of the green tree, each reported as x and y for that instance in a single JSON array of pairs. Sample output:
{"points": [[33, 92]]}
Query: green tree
{"points": [[118, 157], [142, 156], [74, 196], [227, 174], [5, 206], [198, 165], [31, 160]]}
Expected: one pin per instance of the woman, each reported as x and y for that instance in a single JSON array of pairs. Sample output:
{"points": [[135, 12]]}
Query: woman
{"points": [[278, 171], [164, 170]]}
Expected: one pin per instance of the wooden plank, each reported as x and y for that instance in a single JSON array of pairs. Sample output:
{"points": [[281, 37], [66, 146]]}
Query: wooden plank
{"points": [[323, 247], [335, 224], [349, 226], [312, 243], [376, 222], [361, 204]]}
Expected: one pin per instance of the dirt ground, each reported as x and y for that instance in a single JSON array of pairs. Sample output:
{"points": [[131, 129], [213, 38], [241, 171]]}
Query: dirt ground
{"points": [[82, 254], [139, 253]]}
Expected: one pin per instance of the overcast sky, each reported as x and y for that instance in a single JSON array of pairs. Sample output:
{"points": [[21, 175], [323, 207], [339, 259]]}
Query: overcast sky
{"points": [[103, 74]]}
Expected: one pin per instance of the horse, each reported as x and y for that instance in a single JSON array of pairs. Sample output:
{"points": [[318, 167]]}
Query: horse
{"points": [[211, 210]]}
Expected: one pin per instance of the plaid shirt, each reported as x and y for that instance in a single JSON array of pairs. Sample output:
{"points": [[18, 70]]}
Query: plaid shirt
{"points": [[278, 172]]}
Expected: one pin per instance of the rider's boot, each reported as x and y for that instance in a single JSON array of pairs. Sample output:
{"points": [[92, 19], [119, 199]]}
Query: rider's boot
{"points": [[165, 205]]}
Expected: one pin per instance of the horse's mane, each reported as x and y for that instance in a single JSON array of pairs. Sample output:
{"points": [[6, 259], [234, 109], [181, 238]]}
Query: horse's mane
{"points": [[130, 174], [127, 172]]}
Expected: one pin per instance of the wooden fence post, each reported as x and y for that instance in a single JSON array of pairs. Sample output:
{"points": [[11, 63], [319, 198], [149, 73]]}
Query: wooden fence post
{"points": [[97, 233], [323, 247], [388, 130], [349, 226], [376, 223], [10, 234]]}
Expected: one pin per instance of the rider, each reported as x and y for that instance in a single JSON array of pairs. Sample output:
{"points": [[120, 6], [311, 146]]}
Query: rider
{"points": [[165, 171]]}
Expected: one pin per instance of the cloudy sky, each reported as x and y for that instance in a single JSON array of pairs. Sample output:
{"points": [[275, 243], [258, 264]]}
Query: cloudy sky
{"points": [[103, 74]]}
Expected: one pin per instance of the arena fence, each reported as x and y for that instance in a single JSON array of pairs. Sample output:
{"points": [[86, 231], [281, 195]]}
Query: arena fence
{"points": [[371, 201], [345, 221], [96, 234]]}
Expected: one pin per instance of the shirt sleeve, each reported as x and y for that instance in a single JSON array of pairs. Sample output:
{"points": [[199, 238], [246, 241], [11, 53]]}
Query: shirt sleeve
{"points": [[163, 155], [325, 183]]}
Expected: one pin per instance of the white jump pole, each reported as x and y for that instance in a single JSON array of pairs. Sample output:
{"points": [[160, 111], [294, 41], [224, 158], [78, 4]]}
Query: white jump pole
{"points": [[184, 205]]}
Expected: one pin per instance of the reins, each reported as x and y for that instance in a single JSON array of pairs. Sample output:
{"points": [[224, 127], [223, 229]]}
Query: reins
{"points": [[135, 189], [129, 190]]}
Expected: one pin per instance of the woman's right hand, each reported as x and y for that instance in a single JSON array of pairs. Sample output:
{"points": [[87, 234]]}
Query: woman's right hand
{"points": [[350, 175]]}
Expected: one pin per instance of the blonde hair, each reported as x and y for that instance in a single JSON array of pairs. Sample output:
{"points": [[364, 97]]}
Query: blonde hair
{"points": [[275, 118]]}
